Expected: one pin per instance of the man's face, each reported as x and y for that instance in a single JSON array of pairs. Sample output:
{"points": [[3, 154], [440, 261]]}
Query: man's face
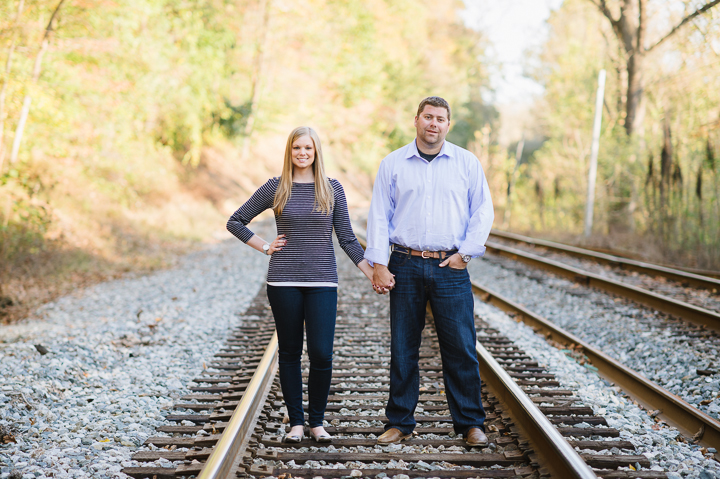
{"points": [[432, 125]]}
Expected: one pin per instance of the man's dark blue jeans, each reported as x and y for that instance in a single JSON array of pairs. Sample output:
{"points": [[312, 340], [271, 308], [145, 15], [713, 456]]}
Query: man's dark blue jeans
{"points": [[314, 309], [449, 292]]}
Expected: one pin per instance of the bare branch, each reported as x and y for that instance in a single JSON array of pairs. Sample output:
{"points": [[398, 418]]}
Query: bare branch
{"points": [[685, 20], [48, 29], [45, 42], [602, 6], [642, 25]]}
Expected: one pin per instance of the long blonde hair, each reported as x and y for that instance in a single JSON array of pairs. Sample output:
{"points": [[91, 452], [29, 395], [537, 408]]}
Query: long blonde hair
{"points": [[324, 194]]}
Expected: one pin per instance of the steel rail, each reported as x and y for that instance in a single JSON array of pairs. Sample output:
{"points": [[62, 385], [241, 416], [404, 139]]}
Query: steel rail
{"points": [[686, 418], [681, 309], [692, 279], [555, 453], [220, 462]]}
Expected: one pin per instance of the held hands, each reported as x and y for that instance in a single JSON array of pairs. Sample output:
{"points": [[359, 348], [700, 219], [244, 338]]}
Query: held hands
{"points": [[370, 272], [455, 262], [383, 280], [277, 244]]}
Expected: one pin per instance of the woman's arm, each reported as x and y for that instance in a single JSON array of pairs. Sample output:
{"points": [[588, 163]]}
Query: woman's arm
{"points": [[261, 200], [366, 269], [343, 227]]}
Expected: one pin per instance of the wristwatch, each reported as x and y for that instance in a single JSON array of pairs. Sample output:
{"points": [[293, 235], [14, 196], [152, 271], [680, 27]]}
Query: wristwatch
{"points": [[466, 258], [266, 248]]}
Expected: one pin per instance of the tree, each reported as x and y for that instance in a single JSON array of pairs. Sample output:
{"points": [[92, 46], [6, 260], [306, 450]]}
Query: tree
{"points": [[630, 27], [6, 80], [258, 64], [35, 76]]}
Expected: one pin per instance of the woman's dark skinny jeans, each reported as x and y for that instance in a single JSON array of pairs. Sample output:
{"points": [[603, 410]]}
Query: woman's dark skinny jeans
{"points": [[314, 309]]}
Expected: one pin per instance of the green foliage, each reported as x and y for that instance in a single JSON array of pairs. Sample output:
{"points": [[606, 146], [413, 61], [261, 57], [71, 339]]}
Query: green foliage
{"points": [[132, 93], [677, 216], [470, 118]]}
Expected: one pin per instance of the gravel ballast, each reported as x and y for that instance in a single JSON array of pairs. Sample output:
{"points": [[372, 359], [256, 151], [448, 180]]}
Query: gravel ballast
{"points": [[118, 356], [641, 339], [658, 443]]}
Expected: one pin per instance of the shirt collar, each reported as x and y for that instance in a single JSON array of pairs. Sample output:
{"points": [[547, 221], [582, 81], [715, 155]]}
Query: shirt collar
{"points": [[412, 150]]}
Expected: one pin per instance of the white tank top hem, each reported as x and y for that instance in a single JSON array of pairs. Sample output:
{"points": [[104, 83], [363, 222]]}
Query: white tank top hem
{"points": [[302, 284]]}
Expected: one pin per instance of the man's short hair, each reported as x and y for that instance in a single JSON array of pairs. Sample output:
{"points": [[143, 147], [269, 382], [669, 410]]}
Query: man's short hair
{"points": [[434, 101]]}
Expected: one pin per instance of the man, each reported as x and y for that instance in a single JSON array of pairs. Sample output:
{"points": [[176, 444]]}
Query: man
{"points": [[431, 207]]}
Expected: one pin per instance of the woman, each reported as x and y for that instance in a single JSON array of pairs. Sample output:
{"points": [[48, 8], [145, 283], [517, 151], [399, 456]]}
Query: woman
{"points": [[302, 277]]}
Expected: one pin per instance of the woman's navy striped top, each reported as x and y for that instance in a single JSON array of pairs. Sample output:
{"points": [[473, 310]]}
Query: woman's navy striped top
{"points": [[308, 258]]}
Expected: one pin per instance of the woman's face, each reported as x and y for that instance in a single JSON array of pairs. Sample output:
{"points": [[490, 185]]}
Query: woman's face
{"points": [[303, 153]]}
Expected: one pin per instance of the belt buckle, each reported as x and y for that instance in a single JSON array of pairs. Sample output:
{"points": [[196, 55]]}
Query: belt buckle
{"points": [[426, 257]]}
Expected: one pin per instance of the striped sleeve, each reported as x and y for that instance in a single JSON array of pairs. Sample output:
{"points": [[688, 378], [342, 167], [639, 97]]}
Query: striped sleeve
{"points": [[343, 228], [261, 200]]}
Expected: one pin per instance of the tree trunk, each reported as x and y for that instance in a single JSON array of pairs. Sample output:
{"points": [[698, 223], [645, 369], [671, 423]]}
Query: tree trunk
{"points": [[258, 65], [3, 92], [511, 182], [630, 30], [665, 161], [26, 104], [6, 80], [635, 107], [36, 75], [540, 193]]}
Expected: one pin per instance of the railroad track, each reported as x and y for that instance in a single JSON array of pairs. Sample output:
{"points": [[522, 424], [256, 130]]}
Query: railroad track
{"points": [[690, 421], [695, 277], [698, 315], [221, 387], [232, 422]]}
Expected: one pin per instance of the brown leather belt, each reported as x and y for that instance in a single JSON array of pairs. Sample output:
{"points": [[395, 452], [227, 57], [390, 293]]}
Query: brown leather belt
{"points": [[422, 254]]}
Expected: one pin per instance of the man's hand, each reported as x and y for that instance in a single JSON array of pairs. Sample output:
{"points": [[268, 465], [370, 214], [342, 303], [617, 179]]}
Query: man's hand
{"points": [[455, 262], [383, 279]]}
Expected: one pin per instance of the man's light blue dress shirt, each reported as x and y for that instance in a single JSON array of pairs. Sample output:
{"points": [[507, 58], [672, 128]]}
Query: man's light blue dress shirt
{"points": [[440, 205]]}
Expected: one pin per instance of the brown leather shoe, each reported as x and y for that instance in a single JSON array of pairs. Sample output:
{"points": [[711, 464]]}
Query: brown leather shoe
{"points": [[475, 437], [392, 436]]}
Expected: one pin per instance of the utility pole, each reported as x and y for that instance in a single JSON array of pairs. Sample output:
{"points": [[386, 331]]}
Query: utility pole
{"points": [[592, 173]]}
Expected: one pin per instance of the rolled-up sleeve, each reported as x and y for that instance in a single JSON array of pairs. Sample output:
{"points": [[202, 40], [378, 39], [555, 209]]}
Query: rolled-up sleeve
{"points": [[481, 213], [382, 207]]}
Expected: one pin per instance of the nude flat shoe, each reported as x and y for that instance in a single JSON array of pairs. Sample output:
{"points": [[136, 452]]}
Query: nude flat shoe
{"points": [[324, 437], [293, 439]]}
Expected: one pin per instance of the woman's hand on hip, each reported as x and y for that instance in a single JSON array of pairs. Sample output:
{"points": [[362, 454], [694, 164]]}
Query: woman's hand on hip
{"points": [[277, 244]]}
